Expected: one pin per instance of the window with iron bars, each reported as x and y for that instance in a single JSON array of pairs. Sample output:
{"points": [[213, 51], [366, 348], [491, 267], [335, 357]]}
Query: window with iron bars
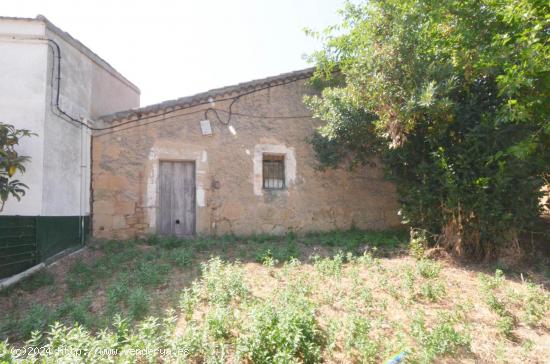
{"points": [[273, 172]]}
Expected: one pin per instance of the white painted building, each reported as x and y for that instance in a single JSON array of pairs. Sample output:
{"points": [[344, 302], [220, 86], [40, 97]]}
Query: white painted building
{"points": [[58, 175]]}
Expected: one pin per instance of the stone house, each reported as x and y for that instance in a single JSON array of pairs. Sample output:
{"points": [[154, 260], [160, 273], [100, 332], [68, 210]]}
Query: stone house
{"points": [[230, 160]]}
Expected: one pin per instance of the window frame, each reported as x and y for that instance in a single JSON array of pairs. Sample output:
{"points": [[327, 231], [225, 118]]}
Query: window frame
{"points": [[278, 174]]}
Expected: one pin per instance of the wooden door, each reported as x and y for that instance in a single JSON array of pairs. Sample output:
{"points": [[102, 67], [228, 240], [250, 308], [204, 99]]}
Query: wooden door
{"points": [[176, 198]]}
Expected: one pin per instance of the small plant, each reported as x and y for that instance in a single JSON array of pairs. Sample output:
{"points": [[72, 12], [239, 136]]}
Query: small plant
{"points": [[215, 352], [329, 267], [152, 274], [332, 330], [496, 305], [119, 289], [80, 277], [536, 304], [526, 348], [9, 325], [358, 340], [37, 280], [279, 251], [418, 243], [441, 340], [491, 283], [222, 282], [117, 292], [433, 291], [36, 319], [166, 242], [181, 257], [489, 288], [366, 297], [170, 242], [505, 325], [409, 282], [283, 333], [428, 268], [394, 290], [218, 322], [367, 259], [111, 247], [76, 311], [121, 259], [138, 303], [187, 303], [5, 353], [268, 260]]}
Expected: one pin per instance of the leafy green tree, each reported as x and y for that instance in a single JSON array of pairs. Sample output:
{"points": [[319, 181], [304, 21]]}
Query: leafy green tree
{"points": [[454, 97], [11, 162]]}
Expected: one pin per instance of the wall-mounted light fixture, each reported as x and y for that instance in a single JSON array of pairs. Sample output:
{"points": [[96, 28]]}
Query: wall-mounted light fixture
{"points": [[206, 128]]}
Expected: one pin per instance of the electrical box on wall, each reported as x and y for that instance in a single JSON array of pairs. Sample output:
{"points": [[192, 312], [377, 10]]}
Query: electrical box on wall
{"points": [[206, 128]]}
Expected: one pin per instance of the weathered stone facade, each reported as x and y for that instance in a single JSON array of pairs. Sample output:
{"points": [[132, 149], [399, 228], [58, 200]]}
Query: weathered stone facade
{"points": [[229, 193]]}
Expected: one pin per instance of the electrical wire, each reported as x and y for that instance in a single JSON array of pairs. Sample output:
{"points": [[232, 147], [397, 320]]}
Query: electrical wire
{"points": [[57, 94], [237, 99], [268, 116], [150, 122], [215, 111], [201, 111], [233, 99], [52, 103], [63, 115]]}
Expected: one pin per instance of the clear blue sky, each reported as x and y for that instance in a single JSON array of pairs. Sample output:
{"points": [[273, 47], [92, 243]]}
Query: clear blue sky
{"points": [[177, 48]]}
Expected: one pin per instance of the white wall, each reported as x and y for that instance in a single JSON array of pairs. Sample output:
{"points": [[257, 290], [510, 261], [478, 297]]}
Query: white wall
{"points": [[22, 102], [59, 174], [66, 149], [88, 90], [110, 94], [22, 27]]}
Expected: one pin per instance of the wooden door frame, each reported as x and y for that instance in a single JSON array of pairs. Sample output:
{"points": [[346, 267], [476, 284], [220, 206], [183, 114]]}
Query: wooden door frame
{"points": [[159, 161]]}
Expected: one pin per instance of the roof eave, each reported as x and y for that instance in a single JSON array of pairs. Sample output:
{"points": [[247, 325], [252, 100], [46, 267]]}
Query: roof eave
{"points": [[204, 97]]}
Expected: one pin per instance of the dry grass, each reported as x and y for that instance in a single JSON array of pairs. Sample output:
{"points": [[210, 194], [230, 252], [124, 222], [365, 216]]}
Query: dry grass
{"points": [[366, 307], [393, 308]]}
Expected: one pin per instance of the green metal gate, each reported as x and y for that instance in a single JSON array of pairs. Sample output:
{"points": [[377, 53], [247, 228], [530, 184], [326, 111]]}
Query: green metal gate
{"points": [[28, 240], [18, 248]]}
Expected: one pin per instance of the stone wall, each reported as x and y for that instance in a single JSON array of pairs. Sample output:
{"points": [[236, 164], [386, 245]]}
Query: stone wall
{"points": [[229, 193]]}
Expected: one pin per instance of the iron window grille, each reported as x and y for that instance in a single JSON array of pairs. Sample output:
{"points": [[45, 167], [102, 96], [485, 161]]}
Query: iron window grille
{"points": [[273, 172]]}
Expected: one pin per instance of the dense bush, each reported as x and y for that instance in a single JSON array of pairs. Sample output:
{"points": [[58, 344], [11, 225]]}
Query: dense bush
{"points": [[453, 97]]}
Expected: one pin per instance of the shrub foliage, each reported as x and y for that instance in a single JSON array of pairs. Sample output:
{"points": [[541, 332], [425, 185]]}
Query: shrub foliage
{"points": [[11, 162], [453, 97]]}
